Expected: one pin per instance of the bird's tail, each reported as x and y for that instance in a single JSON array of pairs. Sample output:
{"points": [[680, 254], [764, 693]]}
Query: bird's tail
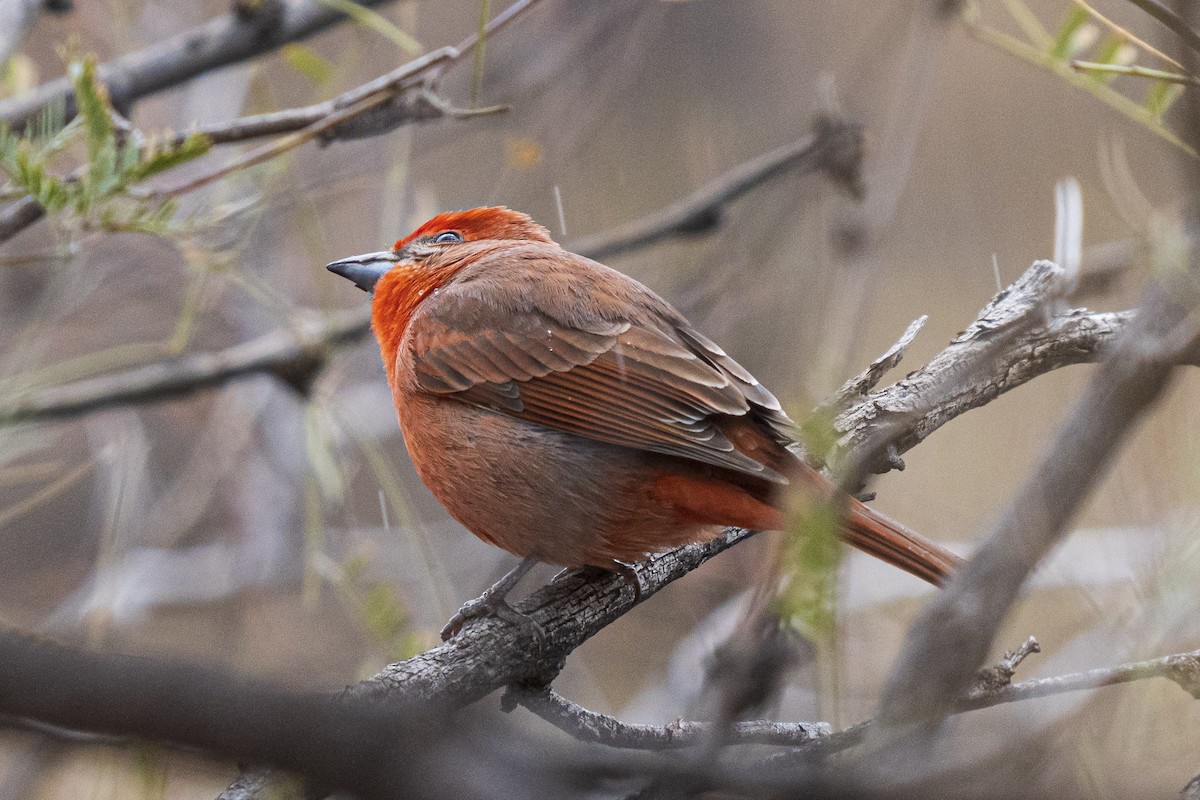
{"points": [[889, 541]]}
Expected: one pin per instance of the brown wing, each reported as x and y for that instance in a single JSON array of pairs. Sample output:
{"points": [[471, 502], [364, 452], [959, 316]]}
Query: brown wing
{"points": [[646, 381]]}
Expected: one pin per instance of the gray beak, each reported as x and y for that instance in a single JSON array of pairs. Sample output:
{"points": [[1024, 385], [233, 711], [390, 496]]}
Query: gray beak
{"points": [[365, 270]]}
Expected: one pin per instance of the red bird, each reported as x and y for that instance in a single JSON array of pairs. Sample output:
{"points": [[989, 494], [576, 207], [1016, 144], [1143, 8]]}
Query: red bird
{"points": [[566, 413]]}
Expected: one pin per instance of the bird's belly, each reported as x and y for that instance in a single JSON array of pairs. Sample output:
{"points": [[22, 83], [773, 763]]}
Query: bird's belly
{"points": [[536, 491]]}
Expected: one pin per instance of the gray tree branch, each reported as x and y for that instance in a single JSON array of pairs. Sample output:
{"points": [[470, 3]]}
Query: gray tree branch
{"points": [[950, 638], [218, 43]]}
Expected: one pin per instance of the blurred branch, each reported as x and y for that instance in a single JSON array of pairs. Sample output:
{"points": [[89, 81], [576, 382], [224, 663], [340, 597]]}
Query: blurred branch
{"points": [[374, 752], [226, 40], [950, 638], [834, 147], [16, 18], [588, 726], [19, 215], [1168, 17], [401, 108], [297, 356]]}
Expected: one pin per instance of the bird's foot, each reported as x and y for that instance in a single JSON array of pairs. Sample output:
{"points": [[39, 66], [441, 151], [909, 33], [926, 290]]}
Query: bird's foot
{"points": [[494, 603], [489, 605]]}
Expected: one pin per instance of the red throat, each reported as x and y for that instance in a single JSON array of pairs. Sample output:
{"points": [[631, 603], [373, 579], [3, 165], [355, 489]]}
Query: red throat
{"points": [[397, 296]]}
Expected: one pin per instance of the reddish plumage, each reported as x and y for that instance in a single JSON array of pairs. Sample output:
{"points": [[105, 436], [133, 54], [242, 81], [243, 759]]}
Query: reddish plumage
{"points": [[562, 410]]}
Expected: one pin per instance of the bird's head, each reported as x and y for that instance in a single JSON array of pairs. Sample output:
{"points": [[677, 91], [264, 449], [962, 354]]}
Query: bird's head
{"points": [[439, 239]]}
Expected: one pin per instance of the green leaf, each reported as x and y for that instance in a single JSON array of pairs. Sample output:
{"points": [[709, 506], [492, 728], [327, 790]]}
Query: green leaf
{"points": [[807, 601], [93, 105], [1160, 97], [156, 161], [308, 62]]}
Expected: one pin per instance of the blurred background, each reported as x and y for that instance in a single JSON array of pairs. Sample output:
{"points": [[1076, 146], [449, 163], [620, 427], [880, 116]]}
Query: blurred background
{"points": [[287, 536]]}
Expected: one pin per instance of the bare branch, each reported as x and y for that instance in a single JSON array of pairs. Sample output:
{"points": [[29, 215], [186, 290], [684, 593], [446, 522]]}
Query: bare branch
{"points": [[588, 726], [19, 215], [949, 640], [835, 147], [218, 43], [488, 654], [1000, 674], [1006, 347], [375, 752], [1182, 668], [295, 357], [856, 389]]}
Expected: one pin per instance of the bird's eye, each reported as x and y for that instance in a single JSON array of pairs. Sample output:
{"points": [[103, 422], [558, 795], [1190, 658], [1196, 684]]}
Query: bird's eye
{"points": [[448, 237]]}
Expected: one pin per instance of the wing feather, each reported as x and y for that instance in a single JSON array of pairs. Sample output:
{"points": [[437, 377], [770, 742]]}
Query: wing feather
{"points": [[646, 380]]}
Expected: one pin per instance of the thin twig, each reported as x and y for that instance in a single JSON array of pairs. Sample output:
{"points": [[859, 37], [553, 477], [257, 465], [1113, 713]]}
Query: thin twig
{"points": [[1167, 17], [1181, 668], [588, 726], [835, 148], [293, 356], [855, 390]]}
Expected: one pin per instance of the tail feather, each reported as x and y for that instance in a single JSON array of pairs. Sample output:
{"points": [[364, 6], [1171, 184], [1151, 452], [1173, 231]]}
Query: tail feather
{"points": [[889, 541]]}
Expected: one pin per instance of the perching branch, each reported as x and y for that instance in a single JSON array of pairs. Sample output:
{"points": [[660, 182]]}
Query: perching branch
{"points": [[297, 356]]}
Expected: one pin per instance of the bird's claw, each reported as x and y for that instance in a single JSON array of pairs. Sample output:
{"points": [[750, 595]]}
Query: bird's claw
{"points": [[490, 605]]}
